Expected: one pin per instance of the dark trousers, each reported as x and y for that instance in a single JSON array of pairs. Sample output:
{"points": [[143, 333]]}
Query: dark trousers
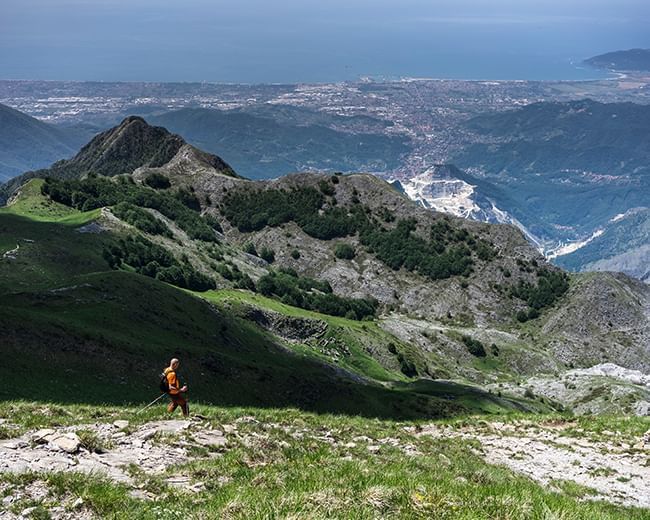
{"points": [[178, 400]]}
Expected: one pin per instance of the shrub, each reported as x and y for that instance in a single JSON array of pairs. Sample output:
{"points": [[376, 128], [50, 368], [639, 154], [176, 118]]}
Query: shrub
{"points": [[551, 285], [344, 251], [386, 215], [155, 261], [407, 366], [97, 192], [474, 346], [141, 219], [522, 316], [312, 294], [157, 181], [267, 254], [188, 198], [326, 188], [245, 282], [249, 248], [295, 254], [213, 222]]}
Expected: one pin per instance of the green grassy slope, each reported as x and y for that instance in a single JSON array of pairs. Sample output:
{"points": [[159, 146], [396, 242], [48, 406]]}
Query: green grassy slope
{"points": [[75, 331]]}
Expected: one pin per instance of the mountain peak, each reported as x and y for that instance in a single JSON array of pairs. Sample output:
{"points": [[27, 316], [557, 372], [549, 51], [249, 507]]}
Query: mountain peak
{"points": [[132, 145]]}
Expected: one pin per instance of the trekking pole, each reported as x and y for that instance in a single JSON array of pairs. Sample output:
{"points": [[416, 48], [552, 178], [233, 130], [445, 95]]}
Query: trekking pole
{"points": [[151, 403]]}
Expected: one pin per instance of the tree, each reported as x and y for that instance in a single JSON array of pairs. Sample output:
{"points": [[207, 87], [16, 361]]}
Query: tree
{"points": [[344, 251]]}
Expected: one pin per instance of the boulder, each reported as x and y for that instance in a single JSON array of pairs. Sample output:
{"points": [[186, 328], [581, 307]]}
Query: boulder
{"points": [[68, 442], [43, 436]]}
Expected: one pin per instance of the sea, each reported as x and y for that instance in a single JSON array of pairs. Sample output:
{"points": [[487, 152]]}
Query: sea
{"points": [[292, 41]]}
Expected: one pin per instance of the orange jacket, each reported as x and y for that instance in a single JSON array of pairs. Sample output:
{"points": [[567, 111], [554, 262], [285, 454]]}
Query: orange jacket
{"points": [[172, 380]]}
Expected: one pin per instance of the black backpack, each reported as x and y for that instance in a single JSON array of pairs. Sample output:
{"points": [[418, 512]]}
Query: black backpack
{"points": [[164, 384]]}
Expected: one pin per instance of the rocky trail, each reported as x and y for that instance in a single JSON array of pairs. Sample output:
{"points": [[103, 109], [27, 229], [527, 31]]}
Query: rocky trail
{"points": [[609, 468], [612, 470]]}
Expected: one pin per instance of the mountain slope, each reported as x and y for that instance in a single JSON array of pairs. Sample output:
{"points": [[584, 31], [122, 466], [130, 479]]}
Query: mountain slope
{"points": [[564, 170], [624, 245], [27, 143]]}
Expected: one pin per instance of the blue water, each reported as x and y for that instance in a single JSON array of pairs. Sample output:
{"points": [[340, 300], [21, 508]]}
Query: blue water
{"points": [[255, 41]]}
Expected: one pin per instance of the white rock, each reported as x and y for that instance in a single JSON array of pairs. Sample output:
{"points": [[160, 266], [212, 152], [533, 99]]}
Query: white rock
{"points": [[121, 424], [41, 436], [211, 438], [15, 445], [68, 442]]}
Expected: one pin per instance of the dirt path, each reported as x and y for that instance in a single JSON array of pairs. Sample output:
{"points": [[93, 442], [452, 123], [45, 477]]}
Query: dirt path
{"points": [[614, 471]]}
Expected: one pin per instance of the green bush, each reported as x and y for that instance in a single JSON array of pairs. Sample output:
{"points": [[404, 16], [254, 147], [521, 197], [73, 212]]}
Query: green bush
{"points": [[188, 198], [149, 259], [407, 366], [344, 251], [213, 222], [157, 181], [141, 219], [386, 215], [249, 248], [98, 192], [295, 254], [474, 346], [312, 294], [267, 254], [551, 285], [326, 188], [522, 316]]}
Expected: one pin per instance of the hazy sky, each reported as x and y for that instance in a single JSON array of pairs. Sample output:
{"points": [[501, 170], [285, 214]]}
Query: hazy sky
{"points": [[309, 40]]}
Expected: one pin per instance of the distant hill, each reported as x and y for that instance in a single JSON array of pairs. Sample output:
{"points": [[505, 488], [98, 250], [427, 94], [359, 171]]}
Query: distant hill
{"points": [[269, 141], [27, 143], [630, 60], [563, 169]]}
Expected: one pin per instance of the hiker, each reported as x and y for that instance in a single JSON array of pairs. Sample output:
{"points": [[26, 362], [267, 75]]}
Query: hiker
{"points": [[176, 392]]}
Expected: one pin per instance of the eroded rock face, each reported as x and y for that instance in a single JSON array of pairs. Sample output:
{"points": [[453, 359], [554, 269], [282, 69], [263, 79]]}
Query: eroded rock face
{"points": [[602, 389], [287, 327]]}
